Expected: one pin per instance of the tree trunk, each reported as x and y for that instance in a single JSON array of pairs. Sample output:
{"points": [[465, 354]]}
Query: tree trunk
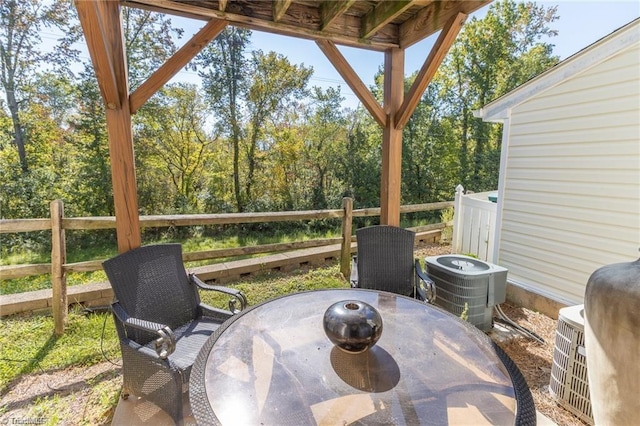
{"points": [[17, 128], [464, 143], [236, 144]]}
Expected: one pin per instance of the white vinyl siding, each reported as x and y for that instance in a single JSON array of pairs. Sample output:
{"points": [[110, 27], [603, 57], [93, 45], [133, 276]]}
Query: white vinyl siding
{"points": [[571, 191]]}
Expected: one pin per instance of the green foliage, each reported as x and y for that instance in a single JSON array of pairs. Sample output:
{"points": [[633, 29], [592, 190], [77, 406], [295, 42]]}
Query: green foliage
{"points": [[175, 150], [489, 58], [225, 77], [255, 136], [359, 160], [149, 42], [325, 135], [464, 315], [446, 216], [90, 192]]}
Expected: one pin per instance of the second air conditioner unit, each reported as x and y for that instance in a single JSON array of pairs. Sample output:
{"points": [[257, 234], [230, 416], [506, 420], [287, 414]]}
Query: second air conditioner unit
{"points": [[569, 382]]}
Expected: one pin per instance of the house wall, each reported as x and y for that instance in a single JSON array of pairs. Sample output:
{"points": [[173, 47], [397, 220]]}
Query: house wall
{"points": [[571, 185]]}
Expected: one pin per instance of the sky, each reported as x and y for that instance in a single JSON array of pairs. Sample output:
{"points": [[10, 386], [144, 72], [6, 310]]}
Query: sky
{"points": [[580, 24]]}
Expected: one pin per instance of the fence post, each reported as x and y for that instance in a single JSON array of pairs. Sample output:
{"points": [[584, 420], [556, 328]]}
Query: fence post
{"points": [[345, 252], [456, 235], [59, 303]]}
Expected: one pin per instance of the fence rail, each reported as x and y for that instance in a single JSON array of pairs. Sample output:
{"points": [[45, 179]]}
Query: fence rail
{"points": [[58, 224]]}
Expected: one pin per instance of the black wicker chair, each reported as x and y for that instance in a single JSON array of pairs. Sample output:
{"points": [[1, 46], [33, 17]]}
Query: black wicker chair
{"points": [[160, 322], [386, 262]]}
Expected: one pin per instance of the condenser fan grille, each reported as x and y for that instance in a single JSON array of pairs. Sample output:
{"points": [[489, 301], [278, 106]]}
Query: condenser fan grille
{"points": [[462, 264]]}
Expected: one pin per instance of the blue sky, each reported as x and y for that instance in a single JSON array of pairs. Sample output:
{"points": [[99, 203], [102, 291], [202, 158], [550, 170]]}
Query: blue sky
{"points": [[581, 23]]}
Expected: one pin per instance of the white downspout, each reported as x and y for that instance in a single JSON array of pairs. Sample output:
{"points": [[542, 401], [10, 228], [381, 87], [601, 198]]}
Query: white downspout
{"points": [[502, 178]]}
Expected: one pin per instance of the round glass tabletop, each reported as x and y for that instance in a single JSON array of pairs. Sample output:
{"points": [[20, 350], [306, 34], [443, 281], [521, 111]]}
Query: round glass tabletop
{"points": [[273, 364]]}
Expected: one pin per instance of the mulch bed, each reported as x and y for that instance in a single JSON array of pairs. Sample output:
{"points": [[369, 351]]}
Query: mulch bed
{"points": [[534, 360]]}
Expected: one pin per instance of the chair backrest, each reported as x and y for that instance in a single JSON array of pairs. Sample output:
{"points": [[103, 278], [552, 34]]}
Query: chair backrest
{"points": [[385, 259], [152, 284]]}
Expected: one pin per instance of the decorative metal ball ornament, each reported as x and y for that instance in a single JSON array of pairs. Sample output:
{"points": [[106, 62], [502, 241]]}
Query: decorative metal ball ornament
{"points": [[352, 325]]}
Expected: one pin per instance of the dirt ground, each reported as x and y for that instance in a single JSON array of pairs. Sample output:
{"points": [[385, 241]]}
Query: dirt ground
{"points": [[533, 358]]}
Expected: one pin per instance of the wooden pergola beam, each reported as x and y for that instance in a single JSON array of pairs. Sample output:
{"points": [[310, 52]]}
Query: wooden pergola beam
{"points": [[351, 78], [331, 10], [430, 19], [91, 19], [442, 45], [328, 23], [179, 59], [287, 26], [280, 8], [102, 25], [381, 15]]}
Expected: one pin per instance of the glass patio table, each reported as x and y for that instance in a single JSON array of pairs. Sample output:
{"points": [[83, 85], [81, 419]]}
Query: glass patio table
{"points": [[273, 364]]}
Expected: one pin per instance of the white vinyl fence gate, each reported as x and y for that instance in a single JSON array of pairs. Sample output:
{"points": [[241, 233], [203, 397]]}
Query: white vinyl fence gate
{"points": [[474, 224]]}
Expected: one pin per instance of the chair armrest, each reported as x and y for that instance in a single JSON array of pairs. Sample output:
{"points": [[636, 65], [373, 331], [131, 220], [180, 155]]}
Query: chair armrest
{"points": [[425, 285], [165, 344], [353, 279], [237, 294], [215, 313]]}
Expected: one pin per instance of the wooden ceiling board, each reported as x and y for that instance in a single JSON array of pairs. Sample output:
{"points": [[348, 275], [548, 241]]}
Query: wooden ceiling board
{"points": [[374, 25]]}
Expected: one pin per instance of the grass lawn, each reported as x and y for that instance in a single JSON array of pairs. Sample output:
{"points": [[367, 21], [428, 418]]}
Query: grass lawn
{"points": [[100, 252], [65, 380]]}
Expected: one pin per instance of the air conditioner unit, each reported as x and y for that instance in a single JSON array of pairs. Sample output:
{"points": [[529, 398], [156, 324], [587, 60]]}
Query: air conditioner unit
{"points": [[463, 280], [569, 383]]}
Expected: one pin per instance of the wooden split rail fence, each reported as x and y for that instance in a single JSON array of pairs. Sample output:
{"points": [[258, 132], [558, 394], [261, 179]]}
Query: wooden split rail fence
{"points": [[58, 224]]}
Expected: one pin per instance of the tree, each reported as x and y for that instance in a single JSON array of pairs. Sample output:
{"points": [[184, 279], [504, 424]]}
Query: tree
{"points": [[490, 57], [46, 180], [275, 83], [21, 56], [223, 69], [172, 137], [58, 94], [247, 94], [327, 130], [359, 160], [429, 157], [92, 192], [289, 181], [149, 42], [148, 39]]}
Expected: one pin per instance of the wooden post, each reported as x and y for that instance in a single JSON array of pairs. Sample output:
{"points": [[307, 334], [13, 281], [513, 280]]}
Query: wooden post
{"points": [[59, 303], [123, 176], [392, 138], [345, 253]]}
